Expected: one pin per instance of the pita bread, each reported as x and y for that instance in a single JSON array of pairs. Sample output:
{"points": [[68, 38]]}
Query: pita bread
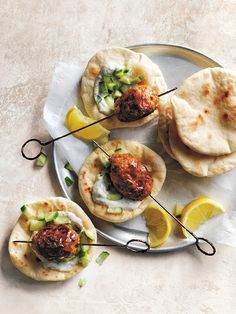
{"points": [[119, 57], [22, 255], [198, 164], [205, 111], [165, 118], [92, 167]]}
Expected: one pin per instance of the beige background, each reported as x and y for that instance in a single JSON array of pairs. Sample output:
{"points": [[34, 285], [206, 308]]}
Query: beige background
{"points": [[34, 36]]}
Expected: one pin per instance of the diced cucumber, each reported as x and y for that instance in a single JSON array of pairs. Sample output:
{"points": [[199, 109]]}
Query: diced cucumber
{"points": [[40, 214], [51, 216], [124, 79], [84, 260], [107, 79], [124, 88], [118, 73], [69, 181], [103, 88], [98, 99], [119, 151], [101, 257], [41, 160], [60, 220], [137, 79], [84, 248], [89, 234], [115, 210], [178, 210], [116, 94], [112, 86], [82, 282], [104, 160], [27, 211], [114, 196], [36, 225], [110, 102], [68, 167]]}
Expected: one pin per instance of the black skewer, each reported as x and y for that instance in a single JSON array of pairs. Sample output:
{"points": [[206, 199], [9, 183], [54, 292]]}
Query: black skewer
{"points": [[198, 240], [127, 246], [43, 144]]}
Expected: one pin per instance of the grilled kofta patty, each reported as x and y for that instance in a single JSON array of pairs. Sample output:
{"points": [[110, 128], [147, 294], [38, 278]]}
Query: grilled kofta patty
{"points": [[130, 177], [136, 103], [56, 242]]}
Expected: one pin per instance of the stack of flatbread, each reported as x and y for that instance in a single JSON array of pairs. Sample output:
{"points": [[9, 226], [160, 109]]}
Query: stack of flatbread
{"points": [[198, 125]]}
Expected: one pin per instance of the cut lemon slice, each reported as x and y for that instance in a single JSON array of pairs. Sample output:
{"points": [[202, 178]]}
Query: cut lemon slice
{"points": [[198, 211], [159, 225], [75, 120]]}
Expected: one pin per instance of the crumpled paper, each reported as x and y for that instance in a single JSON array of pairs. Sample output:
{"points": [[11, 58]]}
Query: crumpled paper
{"points": [[179, 187]]}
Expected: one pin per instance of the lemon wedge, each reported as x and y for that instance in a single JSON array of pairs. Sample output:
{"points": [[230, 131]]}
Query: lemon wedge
{"points": [[198, 211], [159, 225], [75, 120]]}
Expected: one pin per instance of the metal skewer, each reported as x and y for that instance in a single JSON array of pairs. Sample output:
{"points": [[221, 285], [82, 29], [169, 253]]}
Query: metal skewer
{"points": [[197, 239], [121, 246], [43, 144]]}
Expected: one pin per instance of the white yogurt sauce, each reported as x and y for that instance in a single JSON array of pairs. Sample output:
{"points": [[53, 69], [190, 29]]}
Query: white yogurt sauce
{"points": [[72, 217], [100, 192]]}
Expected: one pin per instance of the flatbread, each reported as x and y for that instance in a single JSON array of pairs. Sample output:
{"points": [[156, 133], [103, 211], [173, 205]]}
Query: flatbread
{"points": [[198, 164], [205, 111], [165, 118], [22, 255], [119, 57], [92, 167]]}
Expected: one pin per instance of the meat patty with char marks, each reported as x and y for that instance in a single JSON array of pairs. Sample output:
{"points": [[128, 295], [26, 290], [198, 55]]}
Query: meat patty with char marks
{"points": [[136, 103], [56, 242], [130, 177]]}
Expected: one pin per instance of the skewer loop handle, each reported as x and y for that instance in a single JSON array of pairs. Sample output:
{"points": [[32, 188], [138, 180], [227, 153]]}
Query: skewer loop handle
{"points": [[137, 250], [26, 143], [202, 250]]}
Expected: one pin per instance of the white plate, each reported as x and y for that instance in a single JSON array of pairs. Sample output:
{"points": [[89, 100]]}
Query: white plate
{"points": [[176, 63]]}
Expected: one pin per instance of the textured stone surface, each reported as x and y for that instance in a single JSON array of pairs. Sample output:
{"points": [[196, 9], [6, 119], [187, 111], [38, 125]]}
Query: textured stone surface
{"points": [[35, 35]]}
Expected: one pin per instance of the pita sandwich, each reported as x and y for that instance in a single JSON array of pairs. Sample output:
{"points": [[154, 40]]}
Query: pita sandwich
{"points": [[205, 111], [93, 167], [25, 259], [105, 62]]}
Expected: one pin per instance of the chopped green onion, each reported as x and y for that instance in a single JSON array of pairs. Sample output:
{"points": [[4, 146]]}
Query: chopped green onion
{"points": [[82, 282], [68, 167], [69, 181], [41, 160], [101, 257]]}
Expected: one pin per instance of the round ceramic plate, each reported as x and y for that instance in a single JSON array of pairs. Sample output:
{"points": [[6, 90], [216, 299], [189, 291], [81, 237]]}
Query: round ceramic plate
{"points": [[176, 63]]}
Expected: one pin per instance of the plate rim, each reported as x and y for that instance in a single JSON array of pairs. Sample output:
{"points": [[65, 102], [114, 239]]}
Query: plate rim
{"points": [[54, 153]]}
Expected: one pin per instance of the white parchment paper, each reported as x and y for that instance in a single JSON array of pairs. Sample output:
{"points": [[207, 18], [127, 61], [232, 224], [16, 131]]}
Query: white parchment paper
{"points": [[179, 186]]}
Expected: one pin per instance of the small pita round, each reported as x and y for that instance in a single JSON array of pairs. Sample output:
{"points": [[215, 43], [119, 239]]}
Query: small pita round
{"points": [[22, 255], [198, 164], [165, 118], [205, 111], [92, 167], [112, 58]]}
